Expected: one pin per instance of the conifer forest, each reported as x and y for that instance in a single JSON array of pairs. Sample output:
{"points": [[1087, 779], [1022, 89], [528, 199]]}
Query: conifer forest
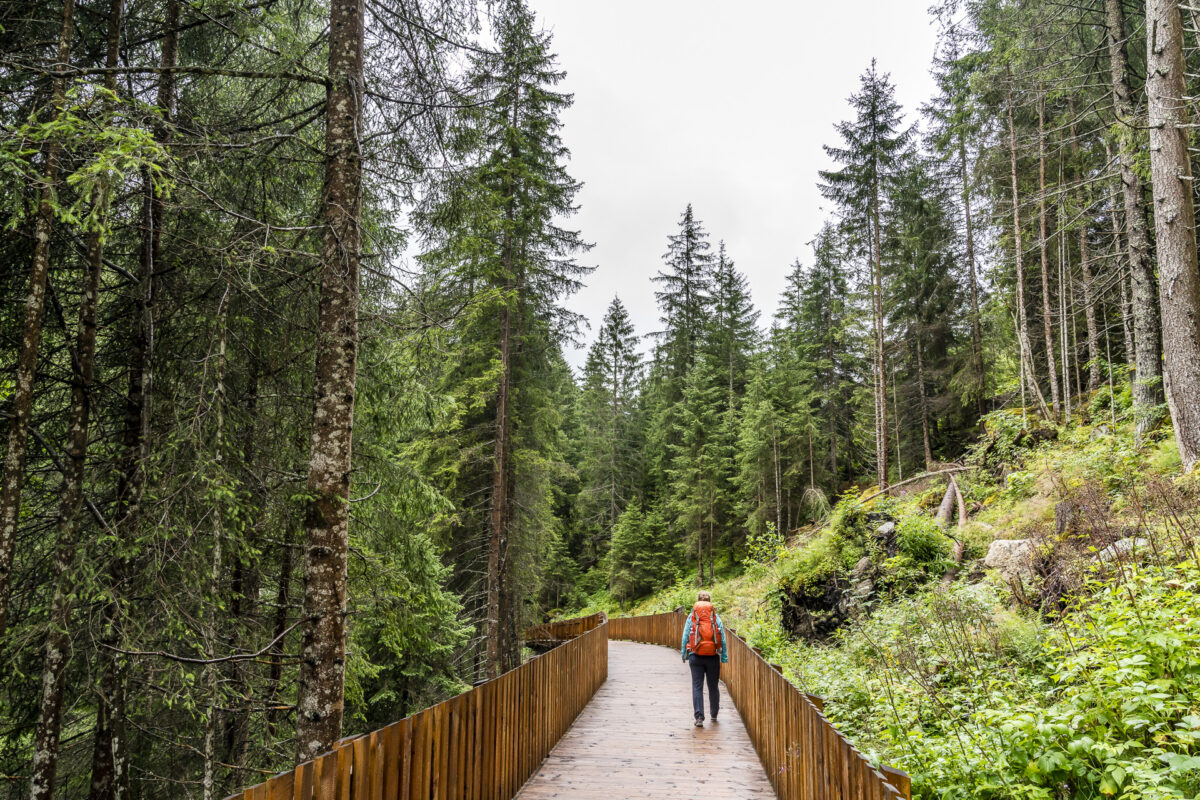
{"points": [[302, 430]]}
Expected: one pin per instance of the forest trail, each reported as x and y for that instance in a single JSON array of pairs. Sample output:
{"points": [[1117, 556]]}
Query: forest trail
{"points": [[636, 739]]}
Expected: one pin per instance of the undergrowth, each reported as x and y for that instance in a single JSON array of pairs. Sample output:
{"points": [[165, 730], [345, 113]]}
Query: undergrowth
{"points": [[1079, 681]]}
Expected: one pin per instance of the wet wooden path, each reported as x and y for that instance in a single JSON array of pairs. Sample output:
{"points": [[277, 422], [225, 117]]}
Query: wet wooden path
{"points": [[635, 739]]}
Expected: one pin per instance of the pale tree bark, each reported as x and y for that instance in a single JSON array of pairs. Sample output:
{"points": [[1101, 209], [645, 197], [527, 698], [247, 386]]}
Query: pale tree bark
{"points": [[881, 410], [1147, 335], [829, 388], [208, 782], [896, 423], [1085, 263], [776, 471], [1022, 318], [1047, 323], [976, 334], [31, 333], [110, 762], [1117, 249], [924, 406], [320, 701], [56, 653], [498, 517], [1174, 222]]}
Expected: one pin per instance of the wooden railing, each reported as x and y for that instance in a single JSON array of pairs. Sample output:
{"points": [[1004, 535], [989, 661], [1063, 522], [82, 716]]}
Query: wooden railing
{"points": [[564, 629], [481, 745], [484, 744], [805, 756]]}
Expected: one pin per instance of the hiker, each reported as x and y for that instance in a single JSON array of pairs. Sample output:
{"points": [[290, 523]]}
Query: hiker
{"points": [[705, 650]]}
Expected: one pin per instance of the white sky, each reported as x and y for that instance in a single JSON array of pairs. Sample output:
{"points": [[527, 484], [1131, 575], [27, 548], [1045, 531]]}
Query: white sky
{"points": [[721, 104]]}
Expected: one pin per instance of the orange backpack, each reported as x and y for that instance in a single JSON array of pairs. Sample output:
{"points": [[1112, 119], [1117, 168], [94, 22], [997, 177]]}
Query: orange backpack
{"points": [[706, 636]]}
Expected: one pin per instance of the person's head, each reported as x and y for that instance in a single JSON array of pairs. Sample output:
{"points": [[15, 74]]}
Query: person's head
{"points": [[704, 597]]}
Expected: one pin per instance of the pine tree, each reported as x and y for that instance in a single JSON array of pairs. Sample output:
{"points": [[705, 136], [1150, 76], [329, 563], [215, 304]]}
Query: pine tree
{"points": [[608, 463], [955, 124], [701, 461], [731, 334], [1174, 223], [684, 296], [502, 253], [873, 148], [924, 303]]}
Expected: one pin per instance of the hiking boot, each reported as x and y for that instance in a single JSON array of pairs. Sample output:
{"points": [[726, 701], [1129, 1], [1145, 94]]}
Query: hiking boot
{"points": [[699, 722]]}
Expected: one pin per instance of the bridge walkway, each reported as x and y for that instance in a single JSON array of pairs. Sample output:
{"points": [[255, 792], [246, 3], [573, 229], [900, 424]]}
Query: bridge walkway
{"points": [[635, 739]]}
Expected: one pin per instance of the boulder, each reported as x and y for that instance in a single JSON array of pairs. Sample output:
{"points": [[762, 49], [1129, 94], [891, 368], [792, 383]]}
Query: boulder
{"points": [[885, 536], [1012, 558], [862, 578], [1124, 548]]}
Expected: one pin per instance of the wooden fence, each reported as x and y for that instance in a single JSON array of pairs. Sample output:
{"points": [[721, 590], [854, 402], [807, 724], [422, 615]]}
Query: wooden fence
{"points": [[564, 629], [481, 745], [484, 744], [805, 756]]}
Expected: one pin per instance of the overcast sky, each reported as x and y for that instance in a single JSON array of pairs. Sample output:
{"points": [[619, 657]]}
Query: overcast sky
{"points": [[721, 104]]}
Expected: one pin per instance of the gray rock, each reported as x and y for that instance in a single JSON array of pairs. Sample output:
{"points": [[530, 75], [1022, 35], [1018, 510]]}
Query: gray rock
{"points": [[863, 568], [1123, 548], [886, 529], [1012, 558]]}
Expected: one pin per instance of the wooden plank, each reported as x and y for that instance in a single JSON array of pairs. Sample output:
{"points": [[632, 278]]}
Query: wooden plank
{"points": [[391, 761], [636, 738], [900, 780], [302, 786]]}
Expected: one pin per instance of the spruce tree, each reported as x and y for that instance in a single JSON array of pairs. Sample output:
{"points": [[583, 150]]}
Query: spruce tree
{"points": [[684, 293], [500, 249], [873, 148], [609, 431]]}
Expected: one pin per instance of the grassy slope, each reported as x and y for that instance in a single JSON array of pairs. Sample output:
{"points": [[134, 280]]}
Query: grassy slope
{"points": [[982, 691]]}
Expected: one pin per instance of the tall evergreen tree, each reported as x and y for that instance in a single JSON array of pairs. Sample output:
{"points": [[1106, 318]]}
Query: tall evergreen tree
{"points": [[609, 430], [505, 255], [873, 147], [684, 293]]}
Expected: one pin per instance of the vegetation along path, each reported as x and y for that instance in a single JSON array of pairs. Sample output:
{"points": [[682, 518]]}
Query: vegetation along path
{"points": [[636, 738]]}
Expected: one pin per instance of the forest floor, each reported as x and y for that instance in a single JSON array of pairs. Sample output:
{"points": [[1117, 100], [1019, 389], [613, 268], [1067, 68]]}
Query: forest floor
{"points": [[1071, 672]]}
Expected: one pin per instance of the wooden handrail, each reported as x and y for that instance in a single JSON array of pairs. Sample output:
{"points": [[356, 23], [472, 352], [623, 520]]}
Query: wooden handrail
{"points": [[481, 745], [564, 629], [485, 743], [805, 756]]}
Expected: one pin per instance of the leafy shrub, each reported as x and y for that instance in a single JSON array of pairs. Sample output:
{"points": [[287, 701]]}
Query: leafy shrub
{"points": [[919, 538], [765, 546]]}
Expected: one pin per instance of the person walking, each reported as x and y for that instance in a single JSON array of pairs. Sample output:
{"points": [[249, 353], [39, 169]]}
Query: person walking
{"points": [[705, 650]]}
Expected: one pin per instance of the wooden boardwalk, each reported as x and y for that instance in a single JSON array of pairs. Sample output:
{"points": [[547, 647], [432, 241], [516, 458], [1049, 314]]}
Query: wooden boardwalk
{"points": [[635, 739]]}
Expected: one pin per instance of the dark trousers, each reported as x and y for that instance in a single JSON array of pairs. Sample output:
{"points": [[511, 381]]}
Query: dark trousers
{"points": [[705, 668]]}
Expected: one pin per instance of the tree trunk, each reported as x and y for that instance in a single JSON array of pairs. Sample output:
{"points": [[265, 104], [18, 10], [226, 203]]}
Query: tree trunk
{"points": [[924, 407], [881, 442], [57, 648], [778, 493], [1089, 311], [1174, 222], [208, 782], [499, 500], [1147, 354], [323, 654], [282, 599], [976, 334], [110, 767], [31, 333], [1047, 326], [1022, 318], [896, 412]]}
